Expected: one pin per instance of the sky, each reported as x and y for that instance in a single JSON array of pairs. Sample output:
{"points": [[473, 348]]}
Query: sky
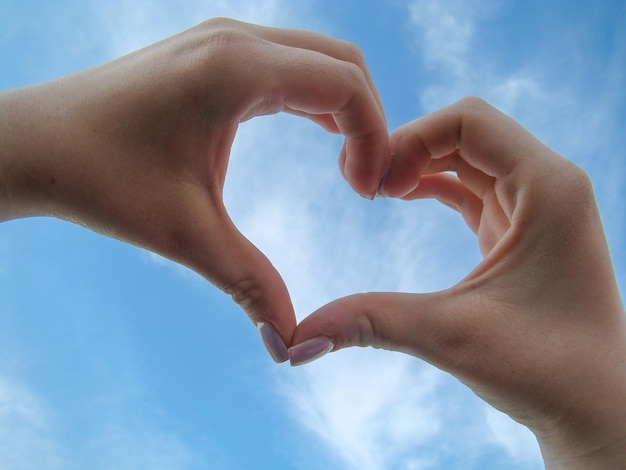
{"points": [[113, 357]]}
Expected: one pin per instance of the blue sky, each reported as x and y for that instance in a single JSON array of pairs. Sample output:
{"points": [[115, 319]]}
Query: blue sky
{"points": [[112, 357]]}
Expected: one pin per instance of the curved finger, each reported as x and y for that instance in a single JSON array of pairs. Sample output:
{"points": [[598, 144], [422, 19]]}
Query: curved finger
{"points": [[482, 136], [449, 190], [479, 183], [311, 83], [440, 328], [313, 41], [327, 121], [203, 238]]}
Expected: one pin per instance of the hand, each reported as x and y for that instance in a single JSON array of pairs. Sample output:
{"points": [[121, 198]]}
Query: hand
{"points": [[537, 329], [138, 148]]}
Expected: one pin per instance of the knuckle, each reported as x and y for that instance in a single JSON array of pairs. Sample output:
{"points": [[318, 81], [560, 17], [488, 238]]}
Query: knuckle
{"points": [[222, 36], [374, 324], [574, 199], [219, 23], [473, 103], [249, 295], [354, 74], [352, 52], [579, 182]]}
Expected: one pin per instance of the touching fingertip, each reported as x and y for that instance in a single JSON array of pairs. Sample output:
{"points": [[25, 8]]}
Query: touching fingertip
{"points": [[380, 191], [273, 342], [310, 350]]}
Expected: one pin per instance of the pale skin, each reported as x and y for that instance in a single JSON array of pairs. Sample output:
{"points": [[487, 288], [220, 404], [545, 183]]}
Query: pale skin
{"points": [[538, 328], [138, 149]]}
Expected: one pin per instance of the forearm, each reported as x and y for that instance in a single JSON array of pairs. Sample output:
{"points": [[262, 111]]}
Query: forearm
{"points": [[607, 457]]}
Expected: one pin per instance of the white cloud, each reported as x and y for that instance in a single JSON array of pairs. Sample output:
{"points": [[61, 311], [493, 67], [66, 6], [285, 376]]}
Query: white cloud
{"points": [[447, 33], [132, 25], [127, 445], [518, 441], [124, 429], [374, 410], [26, 431], [447, 30]]}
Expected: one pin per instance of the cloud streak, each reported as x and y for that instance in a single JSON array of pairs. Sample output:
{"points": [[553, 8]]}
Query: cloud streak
{"points": [[26, 435]]}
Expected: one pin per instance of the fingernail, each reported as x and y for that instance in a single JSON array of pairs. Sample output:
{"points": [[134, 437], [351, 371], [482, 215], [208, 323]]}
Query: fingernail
{"points": [[381, 183], [309, 350], [273, 342]]}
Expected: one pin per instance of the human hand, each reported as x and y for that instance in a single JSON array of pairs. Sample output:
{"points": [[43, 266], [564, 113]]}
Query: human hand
{"points": [[537, 329], [138, 148]]}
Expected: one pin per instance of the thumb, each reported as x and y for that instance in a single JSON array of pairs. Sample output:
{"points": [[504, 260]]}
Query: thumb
{"points": [[214, 247], [437, 327]]}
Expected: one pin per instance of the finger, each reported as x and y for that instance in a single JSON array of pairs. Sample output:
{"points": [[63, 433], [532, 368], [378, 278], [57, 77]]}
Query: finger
{"points": [[452, 330], [314, 41], [205, 239], [304, 81], [449, 190], [327, 121], [479, 183], [441, 329], [313, 74], [485, 138]]}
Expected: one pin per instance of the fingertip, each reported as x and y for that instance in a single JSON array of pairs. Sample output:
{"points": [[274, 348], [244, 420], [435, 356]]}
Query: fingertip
{"points": [[310, 350], [340, 321], [273, 342], [365, 160], [241, 270], [408, 160]]}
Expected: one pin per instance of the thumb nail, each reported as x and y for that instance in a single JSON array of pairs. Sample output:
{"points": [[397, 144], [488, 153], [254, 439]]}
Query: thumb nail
{"points": [[273, 342], [309, 350]]}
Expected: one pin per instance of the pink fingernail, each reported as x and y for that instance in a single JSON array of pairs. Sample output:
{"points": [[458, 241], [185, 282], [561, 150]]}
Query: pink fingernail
{"points": [[381, 183], [273, 342], [309, 350]]}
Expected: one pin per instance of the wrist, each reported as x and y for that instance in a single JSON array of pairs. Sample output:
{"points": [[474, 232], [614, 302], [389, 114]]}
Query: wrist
{"points": [[28, 150], [609, 455], [590, 431]]}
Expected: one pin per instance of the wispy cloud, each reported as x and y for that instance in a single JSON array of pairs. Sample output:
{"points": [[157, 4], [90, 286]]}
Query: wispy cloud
{"points": [[372, 409], [129, 439], [27, 438], [120, 425], [131, 25], [505, 432], [447, 33]]}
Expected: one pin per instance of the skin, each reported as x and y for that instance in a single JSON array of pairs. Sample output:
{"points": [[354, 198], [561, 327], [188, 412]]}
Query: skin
{"points": [[138, 148], [538, 328]]}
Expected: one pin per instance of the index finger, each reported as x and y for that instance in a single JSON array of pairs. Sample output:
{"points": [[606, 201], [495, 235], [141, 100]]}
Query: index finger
{"points": [[310, 82], [313, 41], [485, 138], [323, 78]]}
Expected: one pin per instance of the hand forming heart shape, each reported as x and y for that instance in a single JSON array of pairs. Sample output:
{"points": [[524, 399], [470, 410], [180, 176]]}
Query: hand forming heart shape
{"points": [[138, 149], [541, 307]]}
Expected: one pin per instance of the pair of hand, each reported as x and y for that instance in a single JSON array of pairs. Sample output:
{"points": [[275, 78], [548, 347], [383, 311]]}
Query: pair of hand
{"points": [[138, 149]]}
